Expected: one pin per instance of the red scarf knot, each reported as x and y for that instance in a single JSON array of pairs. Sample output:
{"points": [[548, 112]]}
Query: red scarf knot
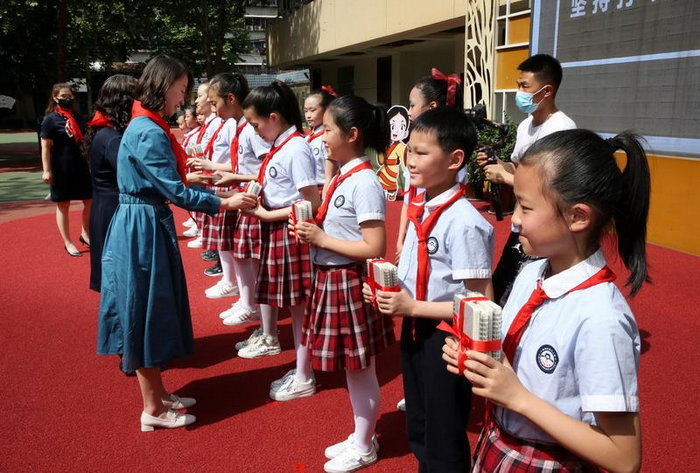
{"points": [[72, 128]]}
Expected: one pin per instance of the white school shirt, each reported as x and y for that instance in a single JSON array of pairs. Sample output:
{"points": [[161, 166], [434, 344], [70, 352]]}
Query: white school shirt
{"points": [[189, 136], [251, 150], [579, 352], [291, 168], [221, 152], [211, 123], [357, 199], [319, 151], [460, 247], [528, 134]]}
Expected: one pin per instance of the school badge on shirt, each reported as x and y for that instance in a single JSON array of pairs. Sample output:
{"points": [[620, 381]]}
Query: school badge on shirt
{"points": [[547, 358], [273, 172], [433, 245], [339, 201]]}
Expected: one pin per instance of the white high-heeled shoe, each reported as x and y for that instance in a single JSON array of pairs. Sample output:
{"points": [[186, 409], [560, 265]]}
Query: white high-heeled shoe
{"points": [[177, 402], [172, 420]]}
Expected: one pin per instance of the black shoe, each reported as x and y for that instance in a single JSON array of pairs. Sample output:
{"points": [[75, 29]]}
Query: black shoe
{"points": [[214, 270], [84, 242], [78, 254], [210, 255]]}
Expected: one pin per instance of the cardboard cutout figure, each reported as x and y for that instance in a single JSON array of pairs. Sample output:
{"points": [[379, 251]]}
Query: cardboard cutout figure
{"points": [[390, 165]]}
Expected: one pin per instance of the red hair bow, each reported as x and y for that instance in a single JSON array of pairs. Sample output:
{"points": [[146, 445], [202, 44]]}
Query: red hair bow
{"points": [[329, 89], [453, 81]]}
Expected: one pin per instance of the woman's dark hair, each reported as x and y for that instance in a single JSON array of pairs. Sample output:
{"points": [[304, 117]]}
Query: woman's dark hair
{"points": [[578, 166], [157, 77], [276, 97], [452, 128], [435, 90], [326, 97], [55, 89], [230, 83], [114, 101], [370, 120]]}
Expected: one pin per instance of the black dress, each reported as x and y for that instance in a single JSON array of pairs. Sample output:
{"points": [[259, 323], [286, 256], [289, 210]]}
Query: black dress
{"points": [[71, 176], [105, 195]]}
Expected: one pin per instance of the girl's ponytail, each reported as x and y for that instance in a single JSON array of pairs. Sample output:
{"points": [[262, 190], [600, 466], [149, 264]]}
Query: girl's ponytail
{"points": [[376, 135], [289, 106], [632, 210], [276, 97], [351, 111]]}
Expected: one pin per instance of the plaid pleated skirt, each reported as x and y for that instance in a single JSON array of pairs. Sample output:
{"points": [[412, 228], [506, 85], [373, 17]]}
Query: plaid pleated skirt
{"points": [[284, 277], [217, 229], [499, 452], [246, 237], [340, 330]]}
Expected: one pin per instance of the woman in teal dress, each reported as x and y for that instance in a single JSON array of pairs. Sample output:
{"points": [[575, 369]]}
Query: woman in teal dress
{"points": [[144, 308]]}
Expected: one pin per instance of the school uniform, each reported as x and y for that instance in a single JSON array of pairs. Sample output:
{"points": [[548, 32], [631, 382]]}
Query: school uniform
{"points": [[246, 232], [285, 270], [579, 352], [218, 152], [340, 329], [204, 134], [318, 149], [459, 247]]}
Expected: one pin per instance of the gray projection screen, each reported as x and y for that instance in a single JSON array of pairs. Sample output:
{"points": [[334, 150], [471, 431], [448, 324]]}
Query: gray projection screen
{"points": [[628, 64]]}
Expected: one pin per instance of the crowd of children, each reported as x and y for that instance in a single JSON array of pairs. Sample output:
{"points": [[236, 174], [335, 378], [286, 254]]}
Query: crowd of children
{"points": [[564, 398]]}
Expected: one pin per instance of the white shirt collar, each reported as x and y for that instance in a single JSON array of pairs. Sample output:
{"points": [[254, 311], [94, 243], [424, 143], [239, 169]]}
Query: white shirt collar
{"points": [[317, 129], [559, 284], [284, 135], [351, 164], [209, 118], [438, 200]]}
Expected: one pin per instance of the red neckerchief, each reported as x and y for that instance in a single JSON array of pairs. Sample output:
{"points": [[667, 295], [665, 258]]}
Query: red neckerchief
{"points": [[189, 136], [72, 128], [203, 129], [138, 110], [98, 119], [335, 182], [268, 158], [415, 213], [234, 147], [209, 150], [538, 296], [312, 136]]}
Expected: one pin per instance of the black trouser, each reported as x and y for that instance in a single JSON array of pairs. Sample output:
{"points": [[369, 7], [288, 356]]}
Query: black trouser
{"points": [[437, 401]]}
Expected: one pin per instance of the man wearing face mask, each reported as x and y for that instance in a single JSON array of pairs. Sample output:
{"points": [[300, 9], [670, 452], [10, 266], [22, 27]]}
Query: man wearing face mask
{"points": [[538, 83]]}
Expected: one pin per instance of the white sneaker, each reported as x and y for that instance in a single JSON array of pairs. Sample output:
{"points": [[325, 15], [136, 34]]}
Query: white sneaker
{"points": [[253, 336], [196, 243], [275, 385], [265, 345], [188, 223], [191, 232], [350, 460], [242, 316], [221, 289], [293, 389], [235, 307], [401, 405], [335, 450]]}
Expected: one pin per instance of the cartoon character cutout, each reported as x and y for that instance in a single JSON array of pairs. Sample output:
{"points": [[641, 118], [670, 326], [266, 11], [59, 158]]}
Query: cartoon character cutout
{"points": [[393, 161]]}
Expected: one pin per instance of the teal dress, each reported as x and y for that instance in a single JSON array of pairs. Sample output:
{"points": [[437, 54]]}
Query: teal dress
{"points": [[144, 308]]}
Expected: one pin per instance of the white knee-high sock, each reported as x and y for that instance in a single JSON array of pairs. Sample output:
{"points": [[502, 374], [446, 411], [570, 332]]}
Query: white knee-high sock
{"points": [[303, 367], [246, 277], [268, 320], [363, 388], [227, 270]]}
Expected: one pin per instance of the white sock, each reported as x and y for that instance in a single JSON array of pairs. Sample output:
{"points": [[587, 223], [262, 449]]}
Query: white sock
{"points": [[246, 275], [303, 367], [363, 388], [268, 320], [227, 272]]}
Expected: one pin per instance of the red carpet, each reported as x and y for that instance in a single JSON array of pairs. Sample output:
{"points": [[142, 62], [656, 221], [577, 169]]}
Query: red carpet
{"points": [[67, 409]]}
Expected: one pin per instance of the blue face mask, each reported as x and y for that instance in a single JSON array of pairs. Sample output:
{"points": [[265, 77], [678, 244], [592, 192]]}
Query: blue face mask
{"points": [[524, 101]]}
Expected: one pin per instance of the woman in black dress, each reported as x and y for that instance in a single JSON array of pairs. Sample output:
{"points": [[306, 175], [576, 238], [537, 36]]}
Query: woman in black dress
{"points": [[101, 145], [65, 168]]}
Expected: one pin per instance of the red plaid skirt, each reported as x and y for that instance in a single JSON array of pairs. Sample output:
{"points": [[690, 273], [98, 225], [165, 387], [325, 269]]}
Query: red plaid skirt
{"points": [[340, 330], [284, 278], [499, 452], [217, 229], [246, 237]]}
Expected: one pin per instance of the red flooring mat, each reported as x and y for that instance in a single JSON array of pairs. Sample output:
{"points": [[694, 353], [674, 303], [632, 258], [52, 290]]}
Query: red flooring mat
{"points": [[66, 409]]}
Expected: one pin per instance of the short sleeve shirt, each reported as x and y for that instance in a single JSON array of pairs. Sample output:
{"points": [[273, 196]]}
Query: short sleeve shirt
{"points": [[211, 124], [580, 351], [528, 134], [357, 199], [319, 151], [460, 247], [251, 150], [221, 151], [290, 169]]}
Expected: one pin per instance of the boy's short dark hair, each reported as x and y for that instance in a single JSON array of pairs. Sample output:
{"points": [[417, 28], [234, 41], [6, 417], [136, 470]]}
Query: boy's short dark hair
{"points": [[545, 67], [453, 129]]}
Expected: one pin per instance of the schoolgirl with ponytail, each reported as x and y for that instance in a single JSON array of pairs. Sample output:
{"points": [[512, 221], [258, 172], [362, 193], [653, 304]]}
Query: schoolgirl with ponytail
{"points": [[286, 174], [341, 331], [566, 392]]}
